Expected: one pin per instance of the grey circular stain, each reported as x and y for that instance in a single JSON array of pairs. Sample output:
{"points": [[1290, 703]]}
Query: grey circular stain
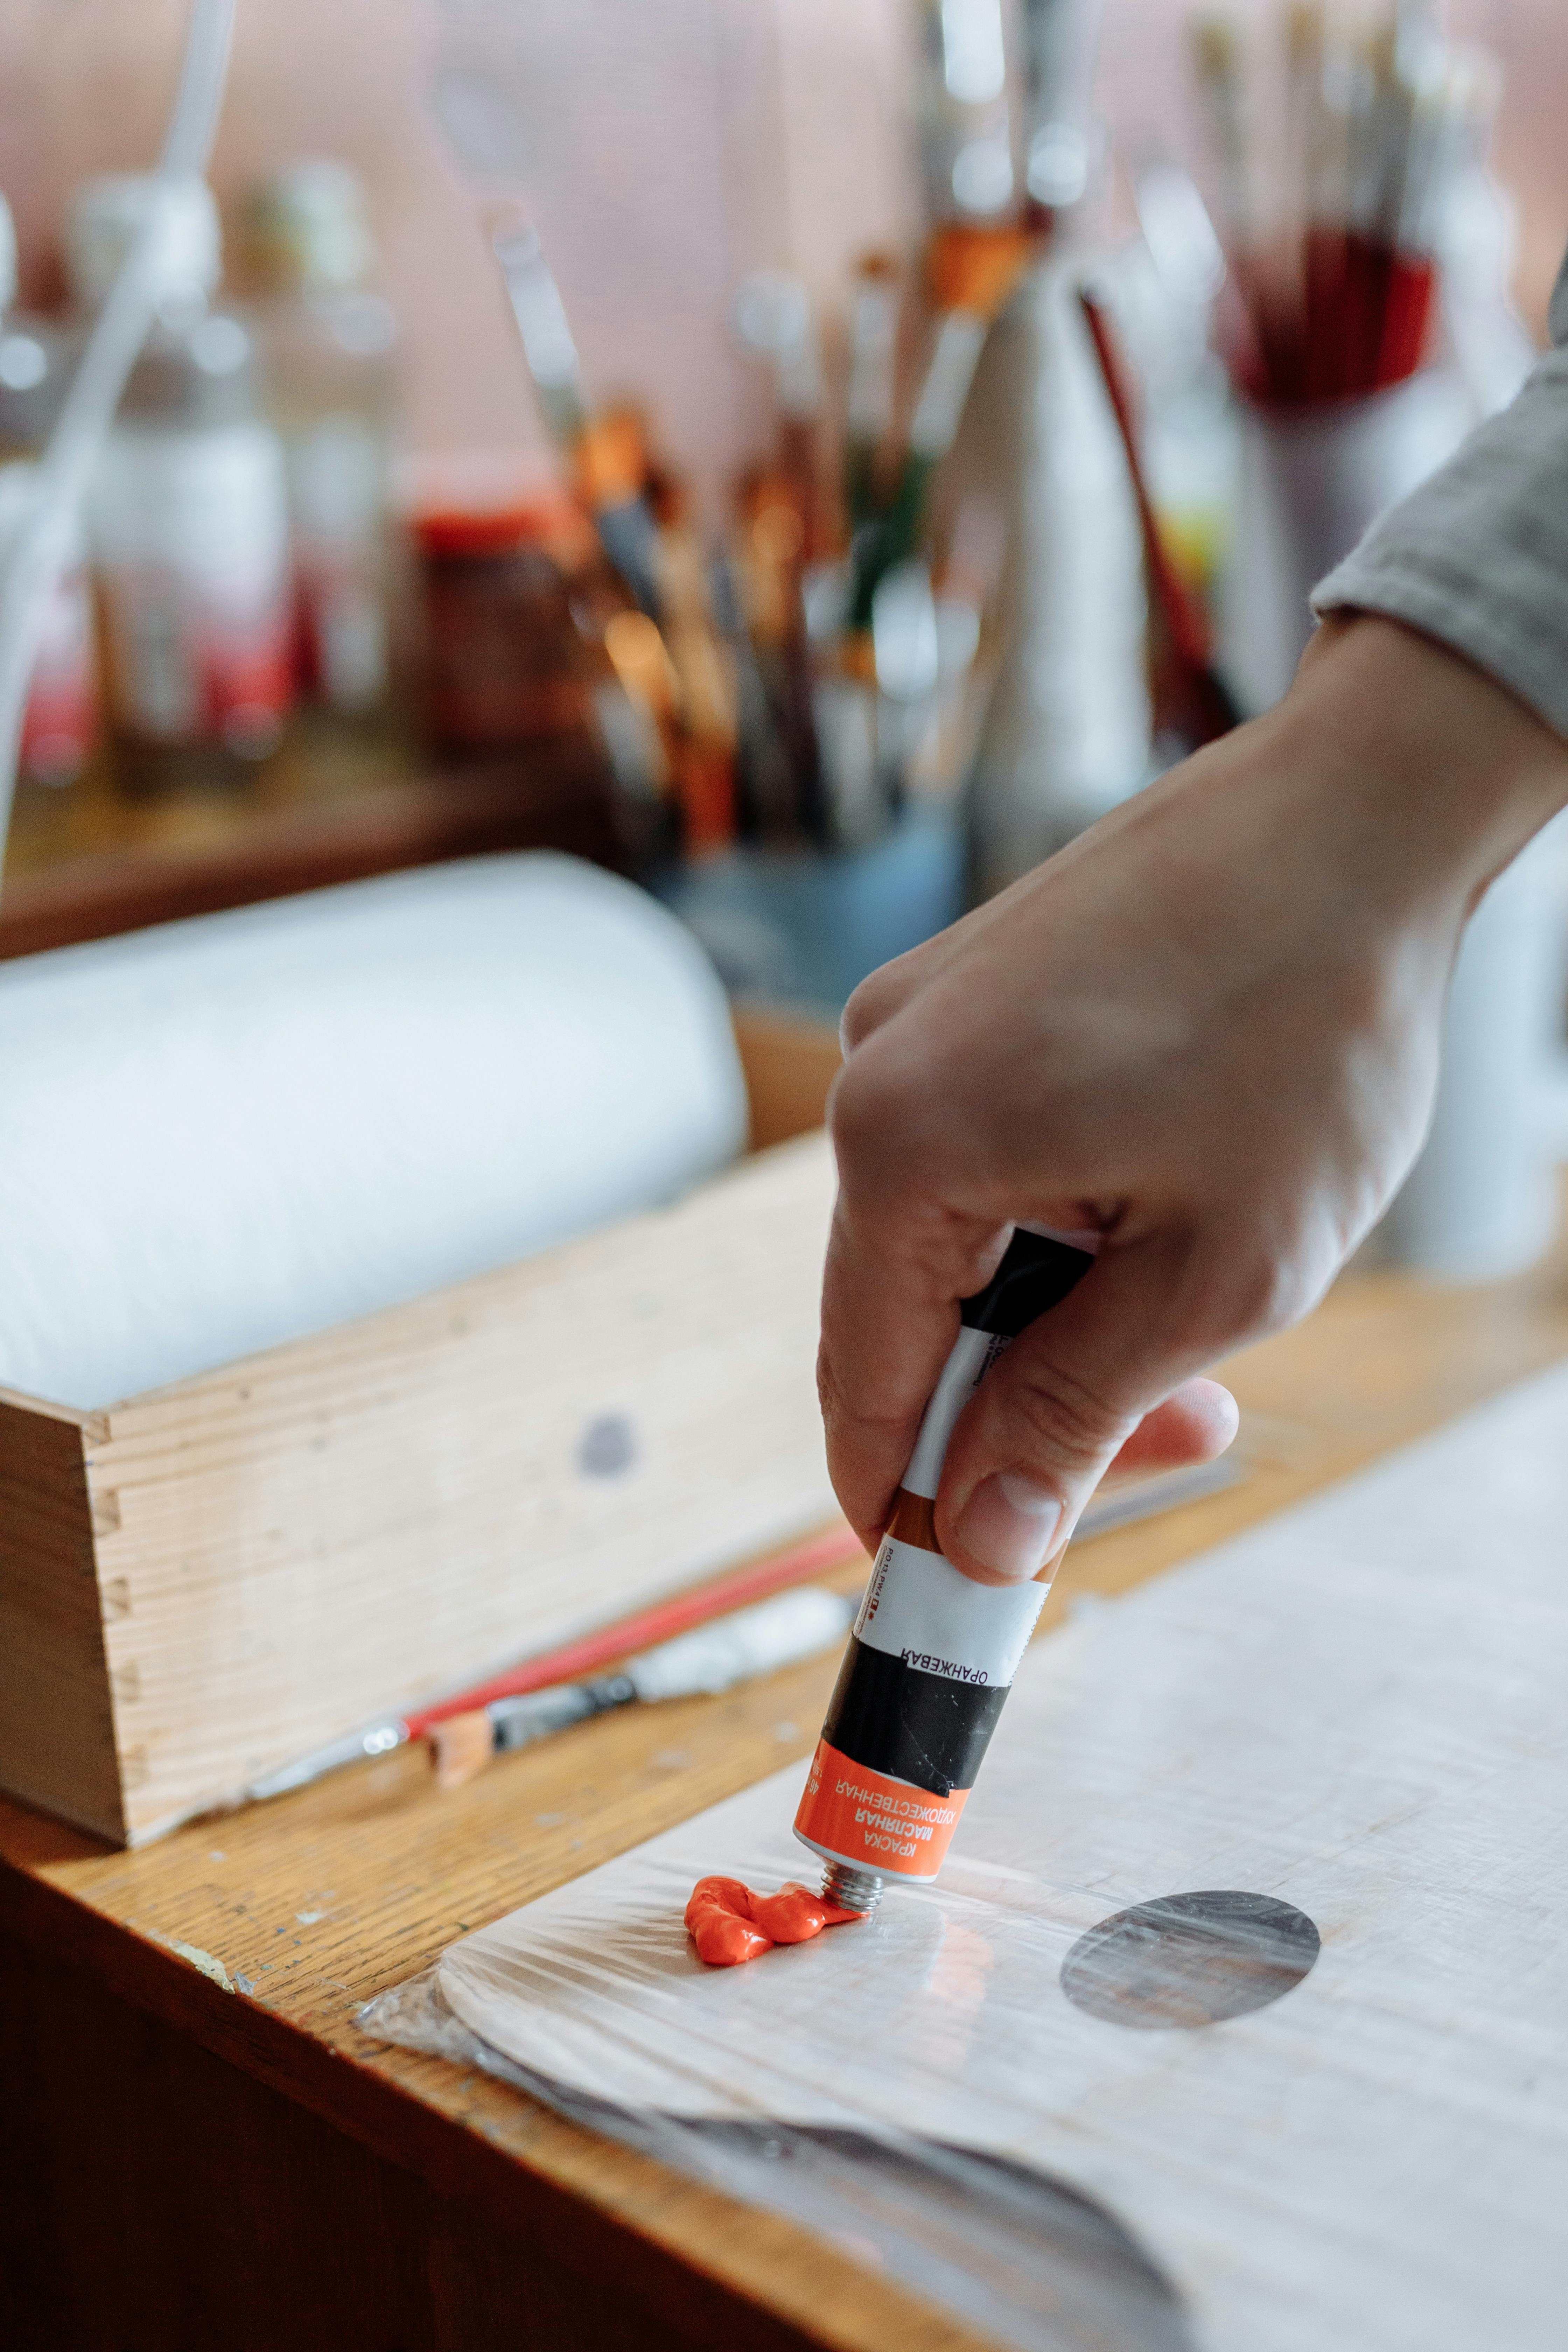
{"points": [[606, 1447], [1190, 1959]]}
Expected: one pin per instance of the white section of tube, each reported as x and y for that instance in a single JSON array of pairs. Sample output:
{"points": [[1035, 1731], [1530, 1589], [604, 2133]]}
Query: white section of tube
{"points": [[754, 1642], [920, 1608], [42, 549], [969, 1360], [959, 1377]]}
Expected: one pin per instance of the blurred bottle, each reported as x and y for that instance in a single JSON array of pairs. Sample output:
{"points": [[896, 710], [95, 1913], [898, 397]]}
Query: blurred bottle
{"points": [[188, 515], [1067, 732], [60, 723], [528, 640], [329, 339]]}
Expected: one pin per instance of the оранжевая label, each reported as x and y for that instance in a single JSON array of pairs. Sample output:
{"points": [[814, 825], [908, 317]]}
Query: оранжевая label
{"points": [[919, 1608]]}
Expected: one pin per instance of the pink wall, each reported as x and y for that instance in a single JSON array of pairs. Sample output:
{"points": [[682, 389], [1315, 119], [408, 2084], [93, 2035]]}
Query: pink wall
{"points": [[664, 145]]}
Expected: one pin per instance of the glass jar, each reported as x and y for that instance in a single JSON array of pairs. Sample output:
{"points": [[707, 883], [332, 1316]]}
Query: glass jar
{"points": [[504, 662]]}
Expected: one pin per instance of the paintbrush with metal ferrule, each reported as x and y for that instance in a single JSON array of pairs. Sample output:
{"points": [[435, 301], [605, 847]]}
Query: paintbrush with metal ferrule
{"points": [[772, 320], [1215, 48], [605, 451], [1198, 704], [818, 1555], [970, 273], [1060, 37], [714, 1658], [873, 357]]}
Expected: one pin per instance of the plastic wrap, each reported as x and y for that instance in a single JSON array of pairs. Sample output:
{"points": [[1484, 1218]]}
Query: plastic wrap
{"points": [[1099, 2085], [1031, 2261]]}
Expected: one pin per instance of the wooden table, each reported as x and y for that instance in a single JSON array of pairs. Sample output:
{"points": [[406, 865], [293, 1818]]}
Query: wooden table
{"points": [[202, 2150]]}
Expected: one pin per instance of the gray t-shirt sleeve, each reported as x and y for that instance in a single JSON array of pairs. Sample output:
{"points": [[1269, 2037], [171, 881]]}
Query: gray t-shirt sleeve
{"points": [[1478, 556]]}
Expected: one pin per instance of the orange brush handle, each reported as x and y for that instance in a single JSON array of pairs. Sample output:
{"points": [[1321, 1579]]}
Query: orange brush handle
{"points": [[972, 268]]}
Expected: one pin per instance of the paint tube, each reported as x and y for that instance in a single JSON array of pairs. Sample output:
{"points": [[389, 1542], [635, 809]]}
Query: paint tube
{"points": [[932, 1655]]}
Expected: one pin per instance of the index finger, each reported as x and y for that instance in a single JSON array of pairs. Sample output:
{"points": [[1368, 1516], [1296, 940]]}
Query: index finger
{"points": [[890, 1315]]}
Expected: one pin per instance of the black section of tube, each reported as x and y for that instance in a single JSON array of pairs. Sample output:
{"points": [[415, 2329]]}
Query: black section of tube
{"points": [[1034, 1274], [916, 1725], [932, 1730]]}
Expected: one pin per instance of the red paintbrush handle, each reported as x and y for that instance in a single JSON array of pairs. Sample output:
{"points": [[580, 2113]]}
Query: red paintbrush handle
{"points": [[835, 1547], [1184, 623], [1412, 285]]}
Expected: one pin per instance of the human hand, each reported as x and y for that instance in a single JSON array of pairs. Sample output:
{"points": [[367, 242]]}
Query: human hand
{"points": [[1208, 1027]]}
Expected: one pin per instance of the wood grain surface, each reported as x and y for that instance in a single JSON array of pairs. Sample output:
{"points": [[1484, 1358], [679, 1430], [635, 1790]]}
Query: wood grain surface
{"points": [[367, 1519], [310, 1905]]}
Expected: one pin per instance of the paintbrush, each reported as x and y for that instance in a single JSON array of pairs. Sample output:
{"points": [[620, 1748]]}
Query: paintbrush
{"points": [[835, 1547], [873, 349], [1215, 46], [1338, 303], [1058, 52], [970, 273], [757, 1640], [773, 318], [1200, 706], [773, 321], [1449, 121], [1214, 43], [705, 680], [607, 453], [764, 781], [1304, 143]]}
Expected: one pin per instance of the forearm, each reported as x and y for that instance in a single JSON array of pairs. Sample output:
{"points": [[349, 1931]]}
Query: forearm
{"points": [[1427, 773], [1209, 1027]]}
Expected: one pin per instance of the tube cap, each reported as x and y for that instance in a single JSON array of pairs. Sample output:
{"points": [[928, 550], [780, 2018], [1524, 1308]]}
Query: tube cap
{"points": [[1037, 1272]]}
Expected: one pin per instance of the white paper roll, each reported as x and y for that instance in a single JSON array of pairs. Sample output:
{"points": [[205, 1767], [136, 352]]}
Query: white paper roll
{"points": [[221, 1134]]}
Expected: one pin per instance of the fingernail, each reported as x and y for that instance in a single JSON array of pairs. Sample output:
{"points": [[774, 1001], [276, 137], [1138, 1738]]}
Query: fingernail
{"points": [[1007, 1524]]}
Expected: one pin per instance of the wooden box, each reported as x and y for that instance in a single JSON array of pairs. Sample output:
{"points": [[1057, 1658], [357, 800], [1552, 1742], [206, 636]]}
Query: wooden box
{"points": [[209, 1580]]}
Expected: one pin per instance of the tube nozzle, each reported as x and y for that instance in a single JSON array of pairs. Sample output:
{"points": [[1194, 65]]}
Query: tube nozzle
{"points": [[851, 1889]]}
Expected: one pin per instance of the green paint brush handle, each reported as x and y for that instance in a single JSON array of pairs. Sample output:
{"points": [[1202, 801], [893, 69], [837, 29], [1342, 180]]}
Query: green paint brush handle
{"points": [[891, 536]]}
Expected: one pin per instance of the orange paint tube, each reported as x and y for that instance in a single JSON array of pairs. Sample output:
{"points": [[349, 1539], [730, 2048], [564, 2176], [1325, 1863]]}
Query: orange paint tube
{"points": [[932, 1654]]}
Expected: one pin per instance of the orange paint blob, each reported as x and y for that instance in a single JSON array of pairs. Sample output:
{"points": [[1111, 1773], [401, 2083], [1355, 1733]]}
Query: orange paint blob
{"points": [[730, 1925]]}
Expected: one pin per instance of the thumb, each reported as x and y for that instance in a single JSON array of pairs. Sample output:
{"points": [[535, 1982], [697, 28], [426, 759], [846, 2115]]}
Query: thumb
{"points": [[1050, 1417]]}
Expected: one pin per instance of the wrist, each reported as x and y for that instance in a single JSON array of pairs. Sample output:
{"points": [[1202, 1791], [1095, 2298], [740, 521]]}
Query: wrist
{"points": [[1434, 776]]}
